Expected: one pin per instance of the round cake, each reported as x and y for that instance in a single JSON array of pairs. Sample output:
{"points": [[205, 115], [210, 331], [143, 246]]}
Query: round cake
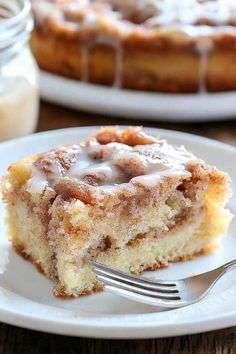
{"points": [[153, 45]]}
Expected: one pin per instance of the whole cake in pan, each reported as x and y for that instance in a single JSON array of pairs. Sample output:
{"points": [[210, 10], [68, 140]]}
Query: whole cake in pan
{"points": [[123, 198], [156, 45]]}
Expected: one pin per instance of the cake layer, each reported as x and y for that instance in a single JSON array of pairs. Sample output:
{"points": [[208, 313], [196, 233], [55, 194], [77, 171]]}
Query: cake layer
{"points": [[29, 236], [149, 252], [167, 69]]}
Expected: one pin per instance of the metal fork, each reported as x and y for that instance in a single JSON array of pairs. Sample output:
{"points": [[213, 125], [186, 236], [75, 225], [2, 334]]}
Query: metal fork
{"points": [[161, 293]]}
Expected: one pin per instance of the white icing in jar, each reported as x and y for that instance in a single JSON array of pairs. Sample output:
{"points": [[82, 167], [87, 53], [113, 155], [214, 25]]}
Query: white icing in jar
{"points": [[19, 98]]}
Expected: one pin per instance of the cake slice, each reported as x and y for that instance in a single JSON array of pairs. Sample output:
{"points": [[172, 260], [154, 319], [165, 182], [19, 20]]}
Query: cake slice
{"points": [[122, 197]]}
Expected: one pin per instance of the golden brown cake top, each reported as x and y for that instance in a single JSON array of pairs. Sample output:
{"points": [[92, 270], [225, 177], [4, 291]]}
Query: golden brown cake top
{"points": [[147, 13], [109, 159]]}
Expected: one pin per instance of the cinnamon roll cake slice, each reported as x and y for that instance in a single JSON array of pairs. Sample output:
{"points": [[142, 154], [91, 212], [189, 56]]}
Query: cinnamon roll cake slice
{"points": [[123, 198]]}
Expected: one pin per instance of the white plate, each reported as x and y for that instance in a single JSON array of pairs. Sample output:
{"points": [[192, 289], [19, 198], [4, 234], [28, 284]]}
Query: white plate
{"points": [[25, 295], [137, 104]]}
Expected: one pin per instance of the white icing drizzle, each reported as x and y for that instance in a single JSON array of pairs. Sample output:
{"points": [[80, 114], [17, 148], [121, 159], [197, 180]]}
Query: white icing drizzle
{"points": [[112, 165], [186, 12], [204, 47], [43, 9], [37, 183], [110, 41]]}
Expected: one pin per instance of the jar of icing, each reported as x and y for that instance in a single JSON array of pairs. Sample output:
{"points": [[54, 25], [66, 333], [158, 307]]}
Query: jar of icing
{"points": [[19, 97]]}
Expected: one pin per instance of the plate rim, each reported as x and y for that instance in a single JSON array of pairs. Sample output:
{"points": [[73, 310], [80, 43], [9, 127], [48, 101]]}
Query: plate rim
{"points": [[124, 102], [195, 137], [117, 331]]}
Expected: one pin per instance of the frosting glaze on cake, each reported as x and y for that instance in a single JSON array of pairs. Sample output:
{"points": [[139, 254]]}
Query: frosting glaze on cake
{"points": [[151, 13], [195, 22], [108, 166]]}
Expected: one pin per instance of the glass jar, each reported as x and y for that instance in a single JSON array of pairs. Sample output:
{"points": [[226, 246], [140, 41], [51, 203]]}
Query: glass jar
{"points": [[19, 98]]}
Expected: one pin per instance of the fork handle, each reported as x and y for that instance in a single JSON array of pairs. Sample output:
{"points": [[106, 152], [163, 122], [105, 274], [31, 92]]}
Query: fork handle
{"points": [[229, 266]]}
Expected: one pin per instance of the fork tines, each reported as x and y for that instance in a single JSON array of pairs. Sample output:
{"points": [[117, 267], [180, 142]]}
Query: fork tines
{"points": [[118, 281]]}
